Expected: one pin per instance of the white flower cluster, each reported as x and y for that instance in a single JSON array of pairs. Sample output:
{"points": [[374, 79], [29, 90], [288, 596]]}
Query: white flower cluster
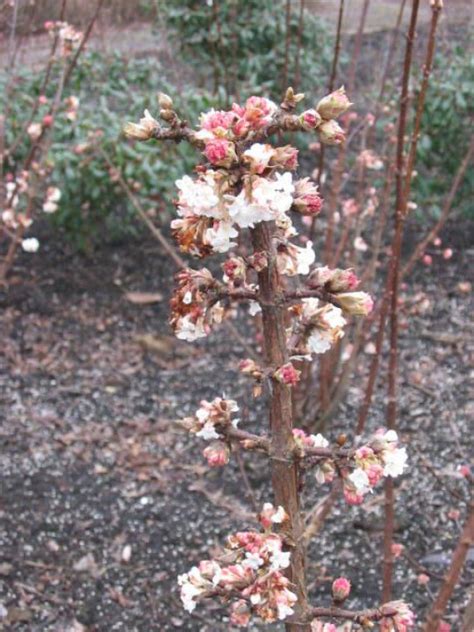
{"points": [[252, 567]]}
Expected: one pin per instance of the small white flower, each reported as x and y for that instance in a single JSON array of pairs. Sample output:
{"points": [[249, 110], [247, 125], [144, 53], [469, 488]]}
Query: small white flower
{"points": [[187, 330], [305, 258], [255, 599], [220, 236], [31, 244], [279, 516], [254, 308], [208, 432], [394, 462], [253, 561], [319, 341], [391, 436], [360, 480], [284, 611], [280, 559], [318, 441]]}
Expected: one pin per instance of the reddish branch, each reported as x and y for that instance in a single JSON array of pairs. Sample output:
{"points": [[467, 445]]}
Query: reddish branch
{"points": [[420, 248], [452, 577], [285, 475]]}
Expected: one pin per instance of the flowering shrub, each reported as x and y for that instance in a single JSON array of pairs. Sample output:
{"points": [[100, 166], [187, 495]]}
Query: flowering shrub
{"points": [[244, 193]]}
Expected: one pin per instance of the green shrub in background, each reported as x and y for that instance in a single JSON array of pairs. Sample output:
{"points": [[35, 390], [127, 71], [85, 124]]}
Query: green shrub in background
{"points": [[241, 45], [447, 129], [111, 90]]}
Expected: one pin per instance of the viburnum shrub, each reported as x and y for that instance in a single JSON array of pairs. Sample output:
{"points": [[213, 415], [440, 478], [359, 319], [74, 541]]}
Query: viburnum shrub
{"points": [[240, 200]]}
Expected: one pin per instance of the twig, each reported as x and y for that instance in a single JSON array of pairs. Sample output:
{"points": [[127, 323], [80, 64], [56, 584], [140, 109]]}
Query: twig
{"points": [[156, 232], [420, 248], [466, 539]]}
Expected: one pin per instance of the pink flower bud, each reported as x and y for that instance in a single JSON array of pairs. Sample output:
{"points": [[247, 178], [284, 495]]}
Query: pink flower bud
{"points": [[447, 253], [47, 120], [397, 549], [341, 587], [437, 241], [42, 99], [217, 454], [48, 25], [220, 152], [353, 497], [423, 579], [287, 374], [331, 133], [444, 626], [427, 260], [465, 471], [240, 613], [310, 119], [334, 104], [356, 303], [285, 157]]}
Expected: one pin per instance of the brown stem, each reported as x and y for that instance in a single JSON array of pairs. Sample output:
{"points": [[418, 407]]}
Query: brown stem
{"points": [[285, 475], [298, 46], [392, 298], [287, 43], [452, 577], [357, 47], [156, 232], [84, 39]]}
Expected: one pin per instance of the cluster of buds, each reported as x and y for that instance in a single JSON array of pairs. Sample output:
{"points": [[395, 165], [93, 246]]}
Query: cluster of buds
{"points": [[381, 457], [323, 117], [209, 422], [398, 617], [53, 195], [360, 469], [69, 37], [321, 326], [192, 315], [250, 573]]}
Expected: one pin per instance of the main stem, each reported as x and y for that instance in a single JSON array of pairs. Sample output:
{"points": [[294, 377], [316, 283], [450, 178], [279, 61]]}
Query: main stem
{"points": [[284, 470]]}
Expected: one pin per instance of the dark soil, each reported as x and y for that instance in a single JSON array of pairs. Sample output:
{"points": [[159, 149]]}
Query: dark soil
{"points": [[104, 502]]}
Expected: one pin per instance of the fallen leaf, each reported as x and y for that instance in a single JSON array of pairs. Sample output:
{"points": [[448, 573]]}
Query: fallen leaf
{"points": [[87, 564], [144, 298]]}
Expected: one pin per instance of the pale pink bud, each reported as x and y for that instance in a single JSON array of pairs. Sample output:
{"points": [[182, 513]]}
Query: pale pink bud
{"points": [[331, 133], [334, 104], [447, 253], [310, 119], [164, 101], [444, 626], [234, 268], [287, 374], [271, 515], [240, 613], [42, 99], [397, 549], [465, 471], [423, 579], [217, 454], [453, 514], [47, 120], [285, 157], [48, 25], [437, 241], [341, 587], [427, 260], [352, 497], [144, 130], [220, 152], [356, 303]]}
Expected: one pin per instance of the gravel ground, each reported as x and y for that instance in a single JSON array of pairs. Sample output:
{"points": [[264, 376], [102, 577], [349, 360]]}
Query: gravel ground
{"points": [[103, 502]]}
